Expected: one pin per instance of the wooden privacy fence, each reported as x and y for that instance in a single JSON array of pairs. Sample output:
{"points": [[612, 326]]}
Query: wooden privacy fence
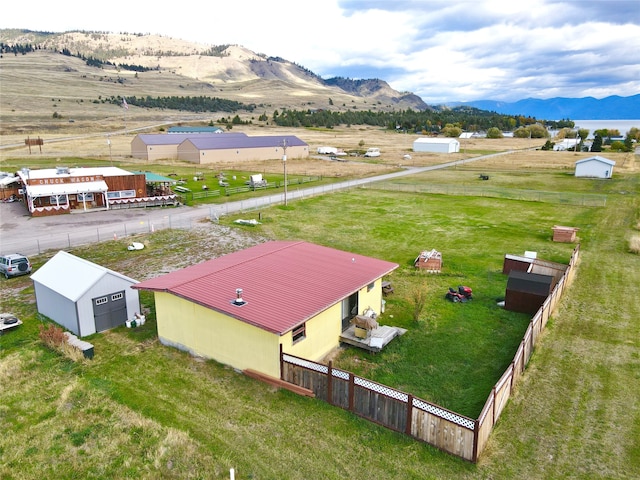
{"points": [[420, 419]]}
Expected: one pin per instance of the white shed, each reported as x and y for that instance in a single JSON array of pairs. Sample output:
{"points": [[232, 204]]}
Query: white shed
{"points": [[436, 145], [595, 167], [83, 297]]}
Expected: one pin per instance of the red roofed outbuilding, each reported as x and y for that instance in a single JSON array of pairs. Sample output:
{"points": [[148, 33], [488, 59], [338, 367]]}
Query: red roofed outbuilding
{"points": [[239, 308]]}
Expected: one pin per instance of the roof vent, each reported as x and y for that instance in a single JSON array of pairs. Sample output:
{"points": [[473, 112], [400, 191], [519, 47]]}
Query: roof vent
{"points": [[238, 301]]}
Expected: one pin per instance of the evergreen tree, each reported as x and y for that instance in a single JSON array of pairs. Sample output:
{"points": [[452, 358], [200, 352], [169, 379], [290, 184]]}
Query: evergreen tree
{"points": [[596, 146], [628, 143]]}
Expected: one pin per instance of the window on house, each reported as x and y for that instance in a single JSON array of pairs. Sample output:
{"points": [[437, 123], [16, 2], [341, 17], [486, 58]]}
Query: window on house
{"points": [[87, 197], [370, 286], [101, 301], [57, 199], [121, 194], [116, 296], [299, 333]]}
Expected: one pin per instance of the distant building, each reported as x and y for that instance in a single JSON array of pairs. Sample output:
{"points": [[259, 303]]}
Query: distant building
{"points": [[436, 145], [566, 144], [203, 148], [53, 191], [595, 167], [163, 146], [195, 130], [232, 149]]}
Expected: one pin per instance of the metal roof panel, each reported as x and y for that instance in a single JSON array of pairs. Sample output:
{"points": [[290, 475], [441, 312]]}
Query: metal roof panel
{"points": [[284, 283]]}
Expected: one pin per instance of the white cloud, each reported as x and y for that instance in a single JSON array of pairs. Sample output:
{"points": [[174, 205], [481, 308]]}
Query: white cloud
{"points": [[441, 50]]}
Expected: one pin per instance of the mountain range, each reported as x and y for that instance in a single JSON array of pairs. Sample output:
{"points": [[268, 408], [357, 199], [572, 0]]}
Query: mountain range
{"points": [[588, 108], [237, 73]]}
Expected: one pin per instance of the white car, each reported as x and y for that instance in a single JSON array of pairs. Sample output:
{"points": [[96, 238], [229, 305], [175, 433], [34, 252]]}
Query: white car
{"points": [[14, 264]]}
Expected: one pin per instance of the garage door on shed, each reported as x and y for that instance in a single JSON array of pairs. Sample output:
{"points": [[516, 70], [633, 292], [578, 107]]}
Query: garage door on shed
{"points": [[109, 311]]}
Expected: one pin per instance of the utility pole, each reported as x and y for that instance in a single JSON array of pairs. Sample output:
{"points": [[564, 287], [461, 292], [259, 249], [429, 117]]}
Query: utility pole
{"points": [[284, 165]]}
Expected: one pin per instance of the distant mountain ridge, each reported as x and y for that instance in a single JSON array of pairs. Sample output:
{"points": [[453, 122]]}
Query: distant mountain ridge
{"points": [[558, 108], [244, 75], [220, 66]]}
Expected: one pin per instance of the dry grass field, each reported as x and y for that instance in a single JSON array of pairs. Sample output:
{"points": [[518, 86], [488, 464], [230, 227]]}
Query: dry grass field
{"points": [[37, 85]]}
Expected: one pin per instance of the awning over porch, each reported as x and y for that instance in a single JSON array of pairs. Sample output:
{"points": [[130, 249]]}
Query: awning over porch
{"points": [[66, 189]]}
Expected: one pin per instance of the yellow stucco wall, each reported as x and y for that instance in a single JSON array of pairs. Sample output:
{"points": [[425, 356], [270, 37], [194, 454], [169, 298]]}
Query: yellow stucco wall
{"points": [[208, 333], [322, 336], [204, 332], [370, 297]]}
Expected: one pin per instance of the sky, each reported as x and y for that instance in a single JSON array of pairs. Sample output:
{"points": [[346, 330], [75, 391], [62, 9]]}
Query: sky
{"points": [[443, 51]]}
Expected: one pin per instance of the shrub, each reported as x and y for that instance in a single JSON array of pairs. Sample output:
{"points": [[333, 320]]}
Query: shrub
{"points": [[419, 296], [55, 338], [494, 132], [52, 336]]}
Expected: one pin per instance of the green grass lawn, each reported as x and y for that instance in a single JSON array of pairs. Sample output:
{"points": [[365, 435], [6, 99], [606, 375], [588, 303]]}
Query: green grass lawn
{"points": [[454, 353], [141, 410]]}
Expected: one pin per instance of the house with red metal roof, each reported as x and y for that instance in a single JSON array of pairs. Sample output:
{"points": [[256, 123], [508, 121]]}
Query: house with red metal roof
{"points": [[241, 309]]}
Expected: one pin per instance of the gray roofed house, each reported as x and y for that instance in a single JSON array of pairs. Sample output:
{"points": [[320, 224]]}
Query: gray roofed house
{"points": [[161, 146], [223, 148]]}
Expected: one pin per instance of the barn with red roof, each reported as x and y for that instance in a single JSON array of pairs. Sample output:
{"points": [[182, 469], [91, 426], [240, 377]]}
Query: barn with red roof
{"points": [[239, 309]]}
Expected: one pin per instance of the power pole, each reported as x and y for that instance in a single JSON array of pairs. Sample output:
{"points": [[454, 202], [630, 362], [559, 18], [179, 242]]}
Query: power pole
{"points": [[284, 166]]}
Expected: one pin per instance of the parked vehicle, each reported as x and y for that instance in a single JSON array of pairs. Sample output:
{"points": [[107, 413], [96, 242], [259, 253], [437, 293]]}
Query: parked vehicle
{"points": [[462, 294], [14, 264], [372, 152]]}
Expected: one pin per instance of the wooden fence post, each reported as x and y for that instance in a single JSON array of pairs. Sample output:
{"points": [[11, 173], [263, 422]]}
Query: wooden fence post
{"points": [[513, 369], [476, 434], [493, 406], [351, 391], [330, 383], [407, 428]]}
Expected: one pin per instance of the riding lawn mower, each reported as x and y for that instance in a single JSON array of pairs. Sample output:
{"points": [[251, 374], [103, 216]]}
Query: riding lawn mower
{"points": [[462, 294]]}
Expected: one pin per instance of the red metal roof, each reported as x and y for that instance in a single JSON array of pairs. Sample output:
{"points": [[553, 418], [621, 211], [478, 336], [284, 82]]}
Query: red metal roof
{"points": [[284, 283]]}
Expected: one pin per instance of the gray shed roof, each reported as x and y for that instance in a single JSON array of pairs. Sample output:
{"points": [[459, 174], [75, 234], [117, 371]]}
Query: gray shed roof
{"points": [[177, 138], [72, 276], [224, 142], [195, 130], [597, 158]]}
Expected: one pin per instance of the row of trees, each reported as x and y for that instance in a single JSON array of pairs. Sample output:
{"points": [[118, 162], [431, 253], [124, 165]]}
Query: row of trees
{"points": [[17, 48], [450, 122], [189, 104], [98, 63]]}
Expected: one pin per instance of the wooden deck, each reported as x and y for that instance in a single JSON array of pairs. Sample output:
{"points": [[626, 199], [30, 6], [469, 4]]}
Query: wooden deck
{"points": [[375, 341]]}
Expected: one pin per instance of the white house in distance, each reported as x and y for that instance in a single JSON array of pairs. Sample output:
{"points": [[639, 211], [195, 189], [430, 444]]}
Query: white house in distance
{"points": [[595, 167], [83, 297], [566, 144], [436, 145]]}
